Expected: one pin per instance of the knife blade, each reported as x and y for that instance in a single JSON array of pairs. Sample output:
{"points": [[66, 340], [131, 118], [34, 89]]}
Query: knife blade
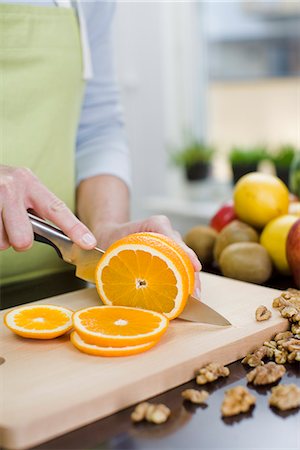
{"points": [[84, 260], [197, 311]]}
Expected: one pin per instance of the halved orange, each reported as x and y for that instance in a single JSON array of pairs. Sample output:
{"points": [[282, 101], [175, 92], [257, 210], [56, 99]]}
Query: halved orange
{"points": [[145, 270], [180, 252], [39, 321], [96, 350], [119, 326]]}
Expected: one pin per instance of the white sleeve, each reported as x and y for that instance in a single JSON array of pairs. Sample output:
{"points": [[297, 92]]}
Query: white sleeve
{"points": [[101, 145]]}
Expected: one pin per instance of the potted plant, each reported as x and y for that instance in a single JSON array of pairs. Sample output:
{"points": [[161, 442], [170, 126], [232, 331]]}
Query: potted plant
{"points": [[245, 160], [195, 157], [282, 160], [294, 181]]}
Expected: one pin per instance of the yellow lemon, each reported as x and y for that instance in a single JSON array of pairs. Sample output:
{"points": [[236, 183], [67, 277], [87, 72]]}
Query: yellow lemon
{"points": [[259, 198], [274, 237]]}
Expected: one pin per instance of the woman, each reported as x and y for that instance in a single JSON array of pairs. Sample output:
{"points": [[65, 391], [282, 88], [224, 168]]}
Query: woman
{"points": [[61, 132]]}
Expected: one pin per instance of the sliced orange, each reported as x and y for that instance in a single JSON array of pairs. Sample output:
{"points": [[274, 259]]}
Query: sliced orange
{"points": [[146, 271], [39, 321], [181, 253], [96, 350], [119, 326]]}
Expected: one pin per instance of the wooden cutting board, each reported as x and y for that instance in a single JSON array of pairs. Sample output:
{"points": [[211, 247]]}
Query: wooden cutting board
{"points": [[50, 388]]}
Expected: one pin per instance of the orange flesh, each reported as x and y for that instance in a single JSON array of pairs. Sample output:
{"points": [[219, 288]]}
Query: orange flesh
{"points": [[40, 319], [116, 323], [145, 278]]}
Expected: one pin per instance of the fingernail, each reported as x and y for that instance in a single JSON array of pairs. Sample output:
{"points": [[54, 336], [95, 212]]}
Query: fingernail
{"points": [[198, 293], [88, 239]]}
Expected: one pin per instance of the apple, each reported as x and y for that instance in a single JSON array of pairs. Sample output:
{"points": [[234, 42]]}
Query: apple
{"points": [[223, 217], [293, 251]]}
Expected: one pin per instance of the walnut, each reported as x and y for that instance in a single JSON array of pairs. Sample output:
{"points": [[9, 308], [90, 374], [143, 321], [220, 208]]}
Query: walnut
{"points": [[237, 400], [195, 396], [262, 313], [155, 413], [290, 312], [211, 372], [295, 329], [139, 412], [267, 374], [283, 335], [291, 345], [280, 356], [285, 396], [256, 359], [293, 356]]}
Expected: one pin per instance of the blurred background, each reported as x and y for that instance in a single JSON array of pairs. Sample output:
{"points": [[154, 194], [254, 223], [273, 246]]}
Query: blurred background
{"points": [[210, 90]]}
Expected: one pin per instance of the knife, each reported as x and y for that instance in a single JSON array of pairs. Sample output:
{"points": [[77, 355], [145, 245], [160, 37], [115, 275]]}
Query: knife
{"points": [[86, 261]]}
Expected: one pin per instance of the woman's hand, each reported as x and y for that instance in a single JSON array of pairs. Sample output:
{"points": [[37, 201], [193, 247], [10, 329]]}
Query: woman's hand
{"points": [[107, 233], [21, 190]]}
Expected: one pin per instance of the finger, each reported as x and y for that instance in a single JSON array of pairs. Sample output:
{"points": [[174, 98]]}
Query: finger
{"points": [[197, 288], [17, 226], [161, 224], [4, 244], [52, 208]]}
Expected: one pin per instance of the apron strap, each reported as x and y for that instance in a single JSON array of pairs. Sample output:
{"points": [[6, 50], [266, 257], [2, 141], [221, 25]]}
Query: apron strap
{"points": [[86, 50]]}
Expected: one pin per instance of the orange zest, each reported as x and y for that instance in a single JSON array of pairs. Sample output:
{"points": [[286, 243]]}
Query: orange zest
{"points": [[148, 271], [96, 350], [113, 326], [39, 321]]}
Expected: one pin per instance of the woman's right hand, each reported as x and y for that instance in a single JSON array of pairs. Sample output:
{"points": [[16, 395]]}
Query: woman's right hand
{"points": [[21, 190]]}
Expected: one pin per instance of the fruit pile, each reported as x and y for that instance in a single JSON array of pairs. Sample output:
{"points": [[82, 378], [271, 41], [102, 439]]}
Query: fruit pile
{"points": [[256, 234]]}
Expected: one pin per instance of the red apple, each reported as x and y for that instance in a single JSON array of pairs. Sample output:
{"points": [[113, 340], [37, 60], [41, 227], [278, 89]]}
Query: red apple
{"points": [[293, 251], [223, 217]]}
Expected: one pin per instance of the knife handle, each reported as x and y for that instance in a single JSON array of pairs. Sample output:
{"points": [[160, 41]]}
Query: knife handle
{"points": [[50, 235]]}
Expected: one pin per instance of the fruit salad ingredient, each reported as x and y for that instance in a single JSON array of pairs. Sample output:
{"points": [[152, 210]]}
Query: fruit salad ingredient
{"points": [[39, 321], [237, 400], [195, 396], [246, 261], [113, 326], [236, 231], [155, 413], [266, 374], [293, 251], [202, 240], [274, 239], [285, 397], [223, 217], [259, 198], [96, 350], [262, 313], [211, 372], [146, 270]]}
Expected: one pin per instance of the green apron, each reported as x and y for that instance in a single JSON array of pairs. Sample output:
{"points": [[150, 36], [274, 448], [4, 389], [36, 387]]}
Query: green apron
{"points": [[41, 88]]}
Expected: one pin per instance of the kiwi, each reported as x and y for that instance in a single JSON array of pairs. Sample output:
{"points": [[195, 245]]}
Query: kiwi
{"points": [[246, 261], [235, 231], [202, 240]]}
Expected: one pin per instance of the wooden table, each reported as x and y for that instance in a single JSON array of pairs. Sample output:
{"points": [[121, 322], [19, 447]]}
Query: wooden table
{"points": [[190, 426]]}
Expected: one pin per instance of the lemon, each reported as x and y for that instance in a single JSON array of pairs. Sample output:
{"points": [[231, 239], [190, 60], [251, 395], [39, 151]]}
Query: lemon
{"points": [[274, 237], [259, 198]]}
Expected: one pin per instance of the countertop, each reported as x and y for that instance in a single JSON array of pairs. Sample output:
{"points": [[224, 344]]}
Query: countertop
{"points": [[190, 426]]}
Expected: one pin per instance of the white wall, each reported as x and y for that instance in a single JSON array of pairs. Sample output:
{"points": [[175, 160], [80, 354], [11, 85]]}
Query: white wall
{"points": [[157, 55]]}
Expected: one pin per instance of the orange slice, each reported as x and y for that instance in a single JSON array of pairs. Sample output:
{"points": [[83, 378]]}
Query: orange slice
{"points": [[39, 321], [96, 350], [146, 271], [113, 326]]}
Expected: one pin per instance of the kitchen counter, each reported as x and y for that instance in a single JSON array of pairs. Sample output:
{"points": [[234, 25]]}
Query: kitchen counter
{"points": [[190, 426]]}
